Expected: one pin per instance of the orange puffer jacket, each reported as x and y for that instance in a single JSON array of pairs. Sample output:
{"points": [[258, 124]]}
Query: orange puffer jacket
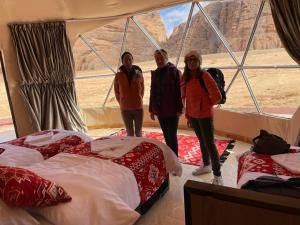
{"points": [[199, 103]]}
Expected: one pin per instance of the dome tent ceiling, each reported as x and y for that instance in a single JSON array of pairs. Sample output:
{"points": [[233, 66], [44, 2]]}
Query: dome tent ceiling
{"points": [[31, 10], [18, 11]]}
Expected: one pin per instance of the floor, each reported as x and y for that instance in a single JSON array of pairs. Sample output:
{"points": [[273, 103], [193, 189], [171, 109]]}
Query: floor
{"points": [[170, 208]]}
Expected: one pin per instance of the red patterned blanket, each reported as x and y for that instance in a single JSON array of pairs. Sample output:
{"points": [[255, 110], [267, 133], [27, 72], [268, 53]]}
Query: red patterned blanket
{"points": [[146, 161], [260, 163], [69, 139]]}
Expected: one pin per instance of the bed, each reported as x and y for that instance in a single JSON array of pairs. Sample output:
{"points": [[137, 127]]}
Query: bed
{"points": [[210, 204], [110, 180]]}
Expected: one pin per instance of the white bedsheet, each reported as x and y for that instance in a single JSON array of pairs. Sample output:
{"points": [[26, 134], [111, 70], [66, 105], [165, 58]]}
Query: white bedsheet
{"points": [[116, 146], [102, 192], [19, 156], [290, 161]]}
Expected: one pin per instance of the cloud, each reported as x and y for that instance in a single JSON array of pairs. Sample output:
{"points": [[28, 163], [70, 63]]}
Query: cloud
{"points": [[174, 16]]}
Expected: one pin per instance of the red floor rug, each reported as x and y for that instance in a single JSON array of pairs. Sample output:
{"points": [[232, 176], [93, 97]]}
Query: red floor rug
{"points": [[188, 146]]}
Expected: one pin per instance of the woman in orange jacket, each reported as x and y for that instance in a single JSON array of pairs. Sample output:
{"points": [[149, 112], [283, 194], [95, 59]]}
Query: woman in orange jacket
{"points": [[199, 112], [129, 92]]}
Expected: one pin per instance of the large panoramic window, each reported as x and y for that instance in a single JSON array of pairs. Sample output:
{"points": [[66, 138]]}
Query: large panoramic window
{"points": [[239, 37], [96, 55]]}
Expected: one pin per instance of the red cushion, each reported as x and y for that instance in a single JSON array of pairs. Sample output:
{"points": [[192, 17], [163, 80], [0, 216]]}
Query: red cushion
{"points": [[20, 187]]}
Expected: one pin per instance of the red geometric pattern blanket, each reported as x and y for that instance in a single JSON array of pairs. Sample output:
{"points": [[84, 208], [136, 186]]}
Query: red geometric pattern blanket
{"points": [[189, 147], [253, 162], [51, 149], [146, 161]]}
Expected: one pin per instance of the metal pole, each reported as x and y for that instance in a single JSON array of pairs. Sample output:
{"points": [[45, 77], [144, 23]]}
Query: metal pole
{"points": [[149, 37], [240, 66], [120, 60], [232, 80], [253, 31], [186, 29], [95, 51], [230, 84], [250, 90], [218, 33], [272, 67]]}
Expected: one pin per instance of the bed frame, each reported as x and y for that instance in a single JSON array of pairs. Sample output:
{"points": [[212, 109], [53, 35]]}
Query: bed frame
{"points": [[143, 208], [208, 204]]}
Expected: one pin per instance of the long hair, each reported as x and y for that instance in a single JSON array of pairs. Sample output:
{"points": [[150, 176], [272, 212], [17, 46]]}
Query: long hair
{"points": [[187, 73]]}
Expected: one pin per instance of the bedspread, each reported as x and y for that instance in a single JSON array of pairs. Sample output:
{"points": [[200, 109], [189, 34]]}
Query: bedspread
{"points": [[252, 165], [146, 161]]}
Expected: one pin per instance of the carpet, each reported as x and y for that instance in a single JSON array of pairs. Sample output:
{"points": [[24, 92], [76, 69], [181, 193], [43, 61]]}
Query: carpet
{"points": [[189, 147]]}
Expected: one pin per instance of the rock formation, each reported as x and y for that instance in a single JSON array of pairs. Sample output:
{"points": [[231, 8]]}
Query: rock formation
{"points": [[234, 19]]}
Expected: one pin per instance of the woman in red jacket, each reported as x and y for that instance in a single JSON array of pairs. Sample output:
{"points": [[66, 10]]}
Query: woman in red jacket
{"points": [[199, 112], [129, 92]]}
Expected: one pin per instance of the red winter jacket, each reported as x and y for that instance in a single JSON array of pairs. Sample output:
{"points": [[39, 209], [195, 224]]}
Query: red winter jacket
{"points": [[199, 103]]}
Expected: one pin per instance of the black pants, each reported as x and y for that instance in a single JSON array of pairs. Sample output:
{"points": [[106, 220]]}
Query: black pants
{"points": [[204, 129], [169, 126]]}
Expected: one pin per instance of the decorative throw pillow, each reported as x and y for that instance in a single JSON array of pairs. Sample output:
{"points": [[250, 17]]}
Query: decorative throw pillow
{"points": [[20, 187]]}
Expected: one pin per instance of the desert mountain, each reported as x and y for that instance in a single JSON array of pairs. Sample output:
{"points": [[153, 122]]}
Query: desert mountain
{"points": [[233, 18], [108, 40]]}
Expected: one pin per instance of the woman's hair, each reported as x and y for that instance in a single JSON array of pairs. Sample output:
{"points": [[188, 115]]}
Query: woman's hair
{"points": [[161, 52], [124, 54], [187, 71]]}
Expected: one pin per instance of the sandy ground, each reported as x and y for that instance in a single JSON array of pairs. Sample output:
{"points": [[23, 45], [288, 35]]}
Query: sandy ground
{"points": [[276, 90]]}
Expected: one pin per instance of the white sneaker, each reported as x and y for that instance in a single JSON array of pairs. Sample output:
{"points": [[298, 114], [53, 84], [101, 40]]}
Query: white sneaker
{"points": [[218, 181], [202, 170]]}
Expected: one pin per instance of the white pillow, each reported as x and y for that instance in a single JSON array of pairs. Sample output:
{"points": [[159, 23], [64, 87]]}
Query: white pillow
{"points": [[15, 216], [87, 209], [103, 192]]}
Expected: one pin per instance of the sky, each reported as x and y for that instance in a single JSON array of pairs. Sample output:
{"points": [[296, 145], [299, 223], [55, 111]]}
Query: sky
{"points": [[176, 15]]}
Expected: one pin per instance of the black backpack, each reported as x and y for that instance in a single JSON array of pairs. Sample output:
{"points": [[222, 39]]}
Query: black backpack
{"points": [[218, 76], [269, 144]]}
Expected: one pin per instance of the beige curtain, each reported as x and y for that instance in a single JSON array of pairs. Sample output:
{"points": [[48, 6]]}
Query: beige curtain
{"points": [[47, 68], [286, 16]]}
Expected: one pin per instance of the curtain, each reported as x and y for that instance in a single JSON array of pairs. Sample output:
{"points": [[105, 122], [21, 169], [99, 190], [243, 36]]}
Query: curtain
{"points": [[46, 65], [286, 16]]}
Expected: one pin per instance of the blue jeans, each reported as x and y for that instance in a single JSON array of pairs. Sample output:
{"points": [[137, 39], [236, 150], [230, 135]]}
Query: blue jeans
{"points": [[169, 126]]}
